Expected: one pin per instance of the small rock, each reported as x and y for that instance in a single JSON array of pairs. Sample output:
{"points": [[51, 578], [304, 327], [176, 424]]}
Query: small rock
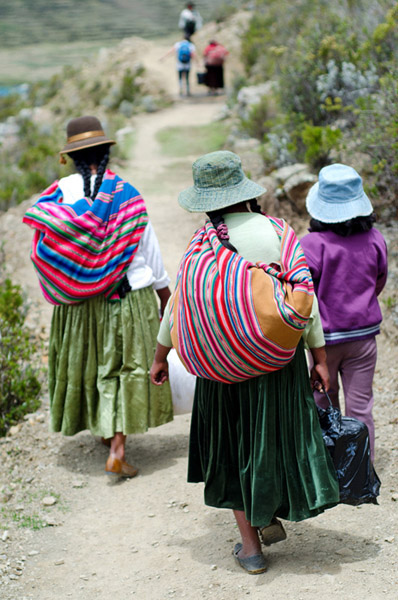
{"points": [[33, 552], [151, 515], [213, 568], [14, 430], [394, 497], [77, 484], [344, 552], [390, 539], [5, 536], [6, 496], [59, 562], [49, 501]]}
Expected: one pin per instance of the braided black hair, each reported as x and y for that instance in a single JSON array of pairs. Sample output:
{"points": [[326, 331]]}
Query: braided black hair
{"points": [[346, 228], [216, 217], [98, 156], [254, 206]]}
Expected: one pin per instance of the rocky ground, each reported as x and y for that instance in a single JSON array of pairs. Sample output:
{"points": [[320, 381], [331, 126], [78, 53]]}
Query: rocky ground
{"points": [[69, 531]]}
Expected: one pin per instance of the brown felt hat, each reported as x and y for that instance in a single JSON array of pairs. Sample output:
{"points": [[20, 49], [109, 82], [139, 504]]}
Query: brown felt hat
{"points": [[84, 132]]}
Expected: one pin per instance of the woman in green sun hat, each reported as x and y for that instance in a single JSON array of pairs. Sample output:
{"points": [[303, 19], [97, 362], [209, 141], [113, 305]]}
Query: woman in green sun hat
{"points": [[255, 439]]}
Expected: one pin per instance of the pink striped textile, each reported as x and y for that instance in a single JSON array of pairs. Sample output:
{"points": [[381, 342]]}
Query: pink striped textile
{"points": [[84, 249], [223, 325]]}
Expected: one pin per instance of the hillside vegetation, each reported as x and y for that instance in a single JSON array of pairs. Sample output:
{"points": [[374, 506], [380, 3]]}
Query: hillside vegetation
{"points": [[334, 68]]}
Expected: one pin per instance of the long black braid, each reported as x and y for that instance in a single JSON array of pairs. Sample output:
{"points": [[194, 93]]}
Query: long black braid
{"points": [[100, 173], [216, 217], [254, 206], [99, 156]]}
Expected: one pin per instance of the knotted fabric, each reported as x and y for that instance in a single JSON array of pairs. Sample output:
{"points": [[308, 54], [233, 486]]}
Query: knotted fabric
{"points": [[231, 319], [84, 249]]}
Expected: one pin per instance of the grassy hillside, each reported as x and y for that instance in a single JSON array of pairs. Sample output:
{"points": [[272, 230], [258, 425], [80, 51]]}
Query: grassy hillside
{"points": [[62, 21]]}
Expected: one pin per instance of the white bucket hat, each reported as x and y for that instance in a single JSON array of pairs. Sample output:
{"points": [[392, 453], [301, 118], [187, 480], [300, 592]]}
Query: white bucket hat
{"points": [[338, 195]]}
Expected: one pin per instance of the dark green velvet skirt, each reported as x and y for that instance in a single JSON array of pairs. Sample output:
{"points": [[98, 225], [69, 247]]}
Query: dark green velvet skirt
{"points": [[99, 360], [257, 445]]}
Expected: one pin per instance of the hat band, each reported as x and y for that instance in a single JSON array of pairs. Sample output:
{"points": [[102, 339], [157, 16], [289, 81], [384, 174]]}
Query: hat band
{"points": [[85, 136]]}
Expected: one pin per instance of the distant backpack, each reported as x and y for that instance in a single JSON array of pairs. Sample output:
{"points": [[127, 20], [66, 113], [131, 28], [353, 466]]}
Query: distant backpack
{"points": [[184, 52], [216, 56]]}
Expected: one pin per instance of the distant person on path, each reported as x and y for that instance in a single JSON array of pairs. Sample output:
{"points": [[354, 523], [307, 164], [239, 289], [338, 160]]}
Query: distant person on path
{"points": [[255, 439], [348, 262], [98, 260], [190, 20], [214, 57], [184, 52]]}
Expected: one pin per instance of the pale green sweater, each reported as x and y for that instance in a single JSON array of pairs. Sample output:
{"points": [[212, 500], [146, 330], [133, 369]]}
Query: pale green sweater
{"points": [[256, 240]]}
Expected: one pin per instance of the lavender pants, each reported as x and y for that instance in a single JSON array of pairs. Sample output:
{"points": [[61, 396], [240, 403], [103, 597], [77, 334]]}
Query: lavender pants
{"points": [[355, 362]]}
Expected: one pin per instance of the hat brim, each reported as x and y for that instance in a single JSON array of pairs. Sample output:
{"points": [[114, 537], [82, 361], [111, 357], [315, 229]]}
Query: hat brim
{"points": [[195, 199], [80, 145], [334, 211]]}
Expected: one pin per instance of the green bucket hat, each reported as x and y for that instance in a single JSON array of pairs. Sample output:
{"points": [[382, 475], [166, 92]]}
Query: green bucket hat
{"points": [[219, 182]]}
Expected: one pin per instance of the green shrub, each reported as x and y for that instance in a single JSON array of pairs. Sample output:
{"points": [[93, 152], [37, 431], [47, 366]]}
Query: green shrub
{"points": [[222, 12], [29, 166], [19, 382], [9, 105], [327, 60], [376, 136], [318, 143], [260, 118]]}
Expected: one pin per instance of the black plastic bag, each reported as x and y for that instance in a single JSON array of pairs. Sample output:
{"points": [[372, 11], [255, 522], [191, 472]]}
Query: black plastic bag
{"points": [[201, 77], [347, 440]]}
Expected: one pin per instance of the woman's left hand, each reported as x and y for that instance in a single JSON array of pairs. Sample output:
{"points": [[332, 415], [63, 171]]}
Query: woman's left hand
{"points": [[159, 372], [319, 372]]}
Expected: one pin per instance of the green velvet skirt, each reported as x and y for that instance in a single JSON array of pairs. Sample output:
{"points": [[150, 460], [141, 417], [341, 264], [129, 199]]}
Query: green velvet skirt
{"points": [[99, 359], [258, 447]]}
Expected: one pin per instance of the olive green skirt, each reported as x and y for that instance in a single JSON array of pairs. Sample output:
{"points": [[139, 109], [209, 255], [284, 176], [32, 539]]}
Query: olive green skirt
{"points": [[258, 446], [99, 359]]}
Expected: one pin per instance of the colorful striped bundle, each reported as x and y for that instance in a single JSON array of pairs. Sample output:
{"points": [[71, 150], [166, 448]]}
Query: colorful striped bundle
{"points": [[231, 319], [83, 249]]}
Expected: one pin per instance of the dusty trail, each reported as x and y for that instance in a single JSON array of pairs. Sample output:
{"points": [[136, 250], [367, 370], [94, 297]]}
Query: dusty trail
{"points": [[152, 537]]}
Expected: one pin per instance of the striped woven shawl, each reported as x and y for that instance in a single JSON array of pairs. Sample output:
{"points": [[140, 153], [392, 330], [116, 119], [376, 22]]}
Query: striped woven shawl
{"points": [[83, 249], [231, 319]]}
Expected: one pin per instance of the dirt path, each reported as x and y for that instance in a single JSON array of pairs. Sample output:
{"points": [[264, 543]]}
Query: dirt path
{"points": [[152, 537]]}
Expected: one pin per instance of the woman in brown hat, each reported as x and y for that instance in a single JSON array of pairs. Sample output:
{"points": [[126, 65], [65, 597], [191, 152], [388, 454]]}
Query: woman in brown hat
{"points": [[98, 260]]}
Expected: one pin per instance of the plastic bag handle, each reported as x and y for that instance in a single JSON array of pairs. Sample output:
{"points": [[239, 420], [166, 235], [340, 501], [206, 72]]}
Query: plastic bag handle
{"points": [[322, 389]]}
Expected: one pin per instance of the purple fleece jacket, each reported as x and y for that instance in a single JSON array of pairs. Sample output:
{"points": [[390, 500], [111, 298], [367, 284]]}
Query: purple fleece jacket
{"points": [[349, 273]]}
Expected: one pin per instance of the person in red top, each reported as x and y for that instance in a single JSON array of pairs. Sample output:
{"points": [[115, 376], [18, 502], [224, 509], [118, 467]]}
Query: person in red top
{"points": [[214, 56]]}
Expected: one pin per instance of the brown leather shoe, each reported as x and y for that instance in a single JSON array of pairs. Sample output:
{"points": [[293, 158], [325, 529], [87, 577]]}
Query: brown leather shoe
{"points": [[120, 467], [272, 533]]}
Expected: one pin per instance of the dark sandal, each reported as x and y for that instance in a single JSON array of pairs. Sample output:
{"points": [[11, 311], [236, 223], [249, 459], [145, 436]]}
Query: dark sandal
{"points": [[251, 564], [272, 533]]}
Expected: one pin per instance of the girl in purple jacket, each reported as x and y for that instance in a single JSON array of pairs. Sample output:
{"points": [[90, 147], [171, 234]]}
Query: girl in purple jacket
{"points": [[348, 262]]}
